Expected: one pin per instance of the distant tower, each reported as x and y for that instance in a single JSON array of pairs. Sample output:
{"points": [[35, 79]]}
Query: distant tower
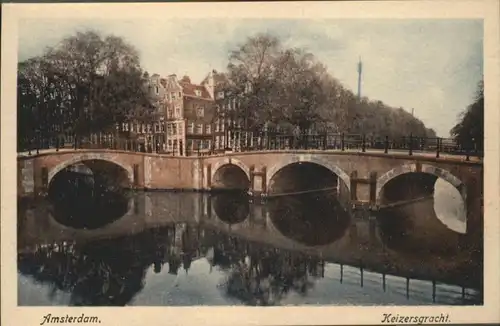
{"points": [[360, 71]]}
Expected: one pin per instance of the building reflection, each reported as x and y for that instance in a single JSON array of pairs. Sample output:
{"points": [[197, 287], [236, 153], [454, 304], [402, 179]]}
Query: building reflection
{"points": [[259, 269]]}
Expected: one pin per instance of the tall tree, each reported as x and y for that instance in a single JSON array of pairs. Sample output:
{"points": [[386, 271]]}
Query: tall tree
{"points": [[469, 131], [288, 87], [301, 96], [86, 83], [251, 69]]}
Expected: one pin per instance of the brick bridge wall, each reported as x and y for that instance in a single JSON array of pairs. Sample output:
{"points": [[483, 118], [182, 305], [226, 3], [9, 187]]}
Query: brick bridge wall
{"points": [[363, 175]]}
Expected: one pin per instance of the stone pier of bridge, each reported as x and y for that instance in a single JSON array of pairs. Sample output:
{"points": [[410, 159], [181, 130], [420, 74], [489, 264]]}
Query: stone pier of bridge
{"points": [[366, 179]]}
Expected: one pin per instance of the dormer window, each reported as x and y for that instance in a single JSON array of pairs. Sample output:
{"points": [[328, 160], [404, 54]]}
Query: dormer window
{"points": [[220, 95], [197, 92], [156, 90]]}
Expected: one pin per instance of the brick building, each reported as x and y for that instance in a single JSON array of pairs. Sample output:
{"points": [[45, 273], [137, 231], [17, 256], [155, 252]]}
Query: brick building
{"points": [[183, 123], [199, 114], [193, 119]]}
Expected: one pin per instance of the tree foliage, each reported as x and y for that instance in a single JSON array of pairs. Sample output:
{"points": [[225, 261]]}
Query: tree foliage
{"points": [[86, 83], [470, 129], [290, 88]]}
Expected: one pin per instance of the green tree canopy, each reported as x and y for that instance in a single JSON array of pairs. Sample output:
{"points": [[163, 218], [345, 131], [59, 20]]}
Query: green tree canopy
{"points": [[289, 87], [86, 83], [470, 129]]}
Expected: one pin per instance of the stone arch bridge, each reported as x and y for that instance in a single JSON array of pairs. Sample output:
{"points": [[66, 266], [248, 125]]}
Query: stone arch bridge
{"points": [[371, 179]]}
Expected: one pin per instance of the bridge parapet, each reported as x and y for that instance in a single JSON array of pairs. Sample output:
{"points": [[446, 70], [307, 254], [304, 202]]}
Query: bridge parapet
{"points": [[361, 176]]}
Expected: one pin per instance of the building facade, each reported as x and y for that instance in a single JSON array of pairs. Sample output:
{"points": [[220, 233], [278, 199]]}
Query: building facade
{"points": [[183, 119], [231, 129], [193, 119], [199, 114]]}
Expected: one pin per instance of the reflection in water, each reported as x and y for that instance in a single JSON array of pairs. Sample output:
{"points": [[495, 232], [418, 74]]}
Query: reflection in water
{"points": [[449, 206], [108, 272], [231, 207], [311, 219], [87, 212], [82, 200], [169, 251]]}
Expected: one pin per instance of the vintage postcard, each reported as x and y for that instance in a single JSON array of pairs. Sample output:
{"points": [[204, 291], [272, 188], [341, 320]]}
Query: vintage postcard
{"points": [[235, 163]]}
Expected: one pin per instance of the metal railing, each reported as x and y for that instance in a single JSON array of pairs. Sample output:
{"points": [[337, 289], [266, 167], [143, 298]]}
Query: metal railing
{"points": [[269, 141]]}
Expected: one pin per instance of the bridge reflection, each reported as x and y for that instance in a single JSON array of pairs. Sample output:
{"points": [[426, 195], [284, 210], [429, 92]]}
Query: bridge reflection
{"points": [[310, 219], [265, 249], [80, 193]]}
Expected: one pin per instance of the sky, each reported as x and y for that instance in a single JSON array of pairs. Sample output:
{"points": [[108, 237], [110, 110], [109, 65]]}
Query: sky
{"points": [[430, 65]]}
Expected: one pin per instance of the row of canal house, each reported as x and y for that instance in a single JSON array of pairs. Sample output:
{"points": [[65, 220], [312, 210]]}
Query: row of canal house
{"points": [[191, 118]]}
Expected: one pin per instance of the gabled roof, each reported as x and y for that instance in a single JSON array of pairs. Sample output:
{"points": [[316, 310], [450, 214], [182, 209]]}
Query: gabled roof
{"points": [[190, 90]]}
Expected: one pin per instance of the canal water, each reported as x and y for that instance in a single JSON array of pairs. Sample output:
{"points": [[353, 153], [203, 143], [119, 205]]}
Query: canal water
{"points": [[185, 249]]}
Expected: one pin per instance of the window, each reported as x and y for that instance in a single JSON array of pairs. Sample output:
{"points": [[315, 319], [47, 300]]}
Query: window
{"points": [[209, 144], [157, 127], [175, 143], [173, 96], [180, 95], [191, 128], [208, 129], [180, 128], [161, 108], [177, 111], [156, 90], [197, 92], [189, 144], [200, 112], [163, 127], [170, 113], [199, 128], [217, 126], [220, 95], [149, 128], [143, 128], [174, 129], [248, 87]]}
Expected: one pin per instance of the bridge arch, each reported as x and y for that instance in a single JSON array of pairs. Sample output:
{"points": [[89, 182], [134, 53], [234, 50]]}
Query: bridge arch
{"points": [[426, 188], [321, 161], [228, 164], [80, 158], [424, 168]]}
